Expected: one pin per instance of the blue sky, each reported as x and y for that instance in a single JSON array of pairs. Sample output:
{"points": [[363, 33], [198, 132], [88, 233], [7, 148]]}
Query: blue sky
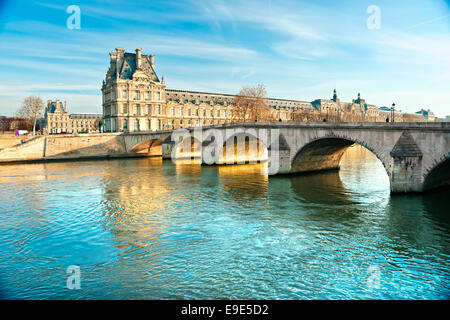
{"points": [[297, 49]]}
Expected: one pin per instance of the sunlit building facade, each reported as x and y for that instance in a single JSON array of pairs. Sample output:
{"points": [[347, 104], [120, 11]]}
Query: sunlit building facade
{"points": [[136, 99], [58, 120]]}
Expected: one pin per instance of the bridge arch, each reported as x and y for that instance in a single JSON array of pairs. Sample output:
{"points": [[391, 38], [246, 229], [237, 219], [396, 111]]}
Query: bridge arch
{"points": [[243, 147], [149, 148], [438, 176], [325, 153]]}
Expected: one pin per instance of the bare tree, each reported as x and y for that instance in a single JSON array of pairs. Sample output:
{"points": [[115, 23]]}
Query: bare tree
{"points": [[250, 104], [32, 108], [302, 115]]}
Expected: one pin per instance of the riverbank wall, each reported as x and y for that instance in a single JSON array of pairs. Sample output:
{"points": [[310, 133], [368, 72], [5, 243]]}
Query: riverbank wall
{"points": [[67, 147]]}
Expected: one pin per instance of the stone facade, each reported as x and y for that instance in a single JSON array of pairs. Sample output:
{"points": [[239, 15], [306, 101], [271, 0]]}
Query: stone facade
{"points": [[135, 99], [58, 119]]}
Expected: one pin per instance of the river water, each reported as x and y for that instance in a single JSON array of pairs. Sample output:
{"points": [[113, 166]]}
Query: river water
{"points": [[152, 229]]}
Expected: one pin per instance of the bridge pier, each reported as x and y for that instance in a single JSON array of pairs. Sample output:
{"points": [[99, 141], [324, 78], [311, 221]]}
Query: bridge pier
{"points": [[406, 173], [185, 149], [279, 156], [167, 148]]}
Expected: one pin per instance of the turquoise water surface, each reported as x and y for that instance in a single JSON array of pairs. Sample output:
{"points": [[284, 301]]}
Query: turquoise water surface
{"points": [[153, 229]]}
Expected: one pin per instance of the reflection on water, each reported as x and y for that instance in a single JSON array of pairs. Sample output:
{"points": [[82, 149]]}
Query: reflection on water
{"points": [[153, 229]]}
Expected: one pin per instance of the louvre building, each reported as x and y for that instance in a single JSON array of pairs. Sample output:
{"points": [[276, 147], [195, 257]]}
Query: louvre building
{"points": [[136, 99]]}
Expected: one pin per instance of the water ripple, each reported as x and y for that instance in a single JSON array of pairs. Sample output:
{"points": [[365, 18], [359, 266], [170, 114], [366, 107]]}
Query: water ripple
{"points": [[152, 229]]}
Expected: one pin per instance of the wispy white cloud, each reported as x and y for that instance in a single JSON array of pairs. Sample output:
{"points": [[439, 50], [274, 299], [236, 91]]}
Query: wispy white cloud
{"points": [[7, 89], [415, 49], [262, 15], [67, 69], [95, 42]]}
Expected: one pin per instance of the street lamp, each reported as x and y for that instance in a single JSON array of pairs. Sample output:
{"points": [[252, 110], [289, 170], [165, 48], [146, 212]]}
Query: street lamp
{"points": [[393, 112]]}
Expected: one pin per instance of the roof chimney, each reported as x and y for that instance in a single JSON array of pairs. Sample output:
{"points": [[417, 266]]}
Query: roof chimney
{"points": [[116, 58], [138, 58], [152, 60], [119, 54]]}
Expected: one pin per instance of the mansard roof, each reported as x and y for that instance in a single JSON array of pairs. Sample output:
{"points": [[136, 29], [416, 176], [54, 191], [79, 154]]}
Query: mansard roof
{"points": [[124, 65], [173, 94], [85, 115], [55, 106], [129, 67]]}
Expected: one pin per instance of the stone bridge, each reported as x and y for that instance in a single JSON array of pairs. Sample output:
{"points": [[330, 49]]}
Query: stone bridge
{"points": [[416, 156]]}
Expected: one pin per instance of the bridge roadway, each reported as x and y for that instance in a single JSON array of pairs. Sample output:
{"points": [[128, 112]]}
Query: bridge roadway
{"points": [[416, 156]]}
